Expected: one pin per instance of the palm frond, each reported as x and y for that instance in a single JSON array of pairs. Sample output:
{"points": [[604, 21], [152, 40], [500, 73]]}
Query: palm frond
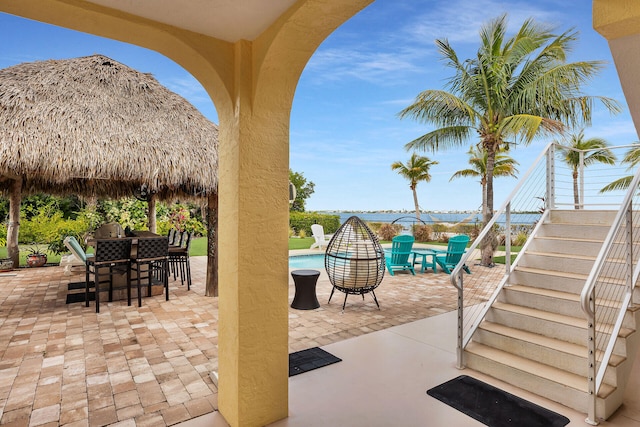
{"points": [[619, 184], [441, 108], [445, 137]]}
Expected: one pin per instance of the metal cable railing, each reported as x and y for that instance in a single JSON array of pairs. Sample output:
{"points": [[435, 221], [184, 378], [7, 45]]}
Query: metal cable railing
{"points": [[608, 291], [549, 184], [476, 292]]}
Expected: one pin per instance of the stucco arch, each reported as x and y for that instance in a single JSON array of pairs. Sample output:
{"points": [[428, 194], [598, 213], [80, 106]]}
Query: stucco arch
{"points": [[252, 84]]}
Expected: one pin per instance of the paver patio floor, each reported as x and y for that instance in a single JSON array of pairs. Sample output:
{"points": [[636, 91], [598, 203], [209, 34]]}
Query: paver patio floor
{"points": [[63, 364]]}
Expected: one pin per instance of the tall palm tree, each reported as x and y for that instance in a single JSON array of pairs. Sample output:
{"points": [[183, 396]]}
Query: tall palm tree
{"points": [[632, 158], [594, 150], [514, 89], [416, 170], [504, 166]]}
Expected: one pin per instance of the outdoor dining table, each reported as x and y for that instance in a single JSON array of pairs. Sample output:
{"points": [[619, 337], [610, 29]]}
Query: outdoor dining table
{"points": [[420, 257], [119, 281]]}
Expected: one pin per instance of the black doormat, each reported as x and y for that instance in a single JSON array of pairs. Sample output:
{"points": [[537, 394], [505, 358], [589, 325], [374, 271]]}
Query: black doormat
{"points": [[310, 359], [78, 285], [494, 407], [79, 297]]}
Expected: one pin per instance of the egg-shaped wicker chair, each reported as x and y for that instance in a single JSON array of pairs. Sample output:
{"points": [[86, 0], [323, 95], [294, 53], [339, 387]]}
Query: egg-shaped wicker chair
{"points": [[354, 260]]}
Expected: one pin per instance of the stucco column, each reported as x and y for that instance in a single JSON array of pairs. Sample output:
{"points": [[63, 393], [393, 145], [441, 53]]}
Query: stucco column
{"points": [[252, 84], [253, 206]]}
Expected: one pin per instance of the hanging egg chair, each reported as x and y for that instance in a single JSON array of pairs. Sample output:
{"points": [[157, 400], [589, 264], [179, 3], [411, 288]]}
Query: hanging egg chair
{"points": [[354, 260]]}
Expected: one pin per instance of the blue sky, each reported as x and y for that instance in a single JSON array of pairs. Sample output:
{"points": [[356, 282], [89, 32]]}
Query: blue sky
{"points": [[344, 127]]}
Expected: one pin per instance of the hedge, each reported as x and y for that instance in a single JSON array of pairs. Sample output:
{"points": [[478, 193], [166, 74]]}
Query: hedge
{"points": [[304, 220]]}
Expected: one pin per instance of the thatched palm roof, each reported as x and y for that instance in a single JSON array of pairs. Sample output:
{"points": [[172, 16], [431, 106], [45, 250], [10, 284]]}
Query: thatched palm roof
{"points": [[93, 126]]}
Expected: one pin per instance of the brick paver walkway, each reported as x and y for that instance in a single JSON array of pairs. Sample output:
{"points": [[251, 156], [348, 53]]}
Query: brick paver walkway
{"points": [[66, 365]]}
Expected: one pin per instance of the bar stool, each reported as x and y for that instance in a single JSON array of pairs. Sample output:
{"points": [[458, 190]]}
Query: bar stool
{"points": [[154, 253], [179, 259], [113, 254]]}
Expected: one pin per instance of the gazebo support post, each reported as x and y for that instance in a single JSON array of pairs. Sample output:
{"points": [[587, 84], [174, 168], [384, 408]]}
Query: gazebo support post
{"points": [[212, 245], [151, 212], [15, 198]]}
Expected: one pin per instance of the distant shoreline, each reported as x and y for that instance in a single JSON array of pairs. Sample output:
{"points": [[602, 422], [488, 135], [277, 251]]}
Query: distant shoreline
{"points": [[432, 217]]}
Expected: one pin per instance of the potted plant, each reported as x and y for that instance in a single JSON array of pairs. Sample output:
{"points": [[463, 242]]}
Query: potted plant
{"points": [[35, 258]]}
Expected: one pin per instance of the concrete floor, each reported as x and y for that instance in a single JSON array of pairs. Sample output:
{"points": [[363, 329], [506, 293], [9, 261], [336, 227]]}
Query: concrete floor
{"points": [[66, 365]]}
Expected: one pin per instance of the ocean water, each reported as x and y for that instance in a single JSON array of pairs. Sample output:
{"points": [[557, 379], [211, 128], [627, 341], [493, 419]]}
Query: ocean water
{"points": [[435, 217]]}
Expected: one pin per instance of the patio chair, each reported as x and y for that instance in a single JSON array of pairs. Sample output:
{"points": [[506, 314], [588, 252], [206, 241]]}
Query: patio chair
{"points": [[154, 254], [318, 234], [112, 256], [398, 259], [179, 259], [447, 260], [354, 260], [106, 231], [77, 257]]}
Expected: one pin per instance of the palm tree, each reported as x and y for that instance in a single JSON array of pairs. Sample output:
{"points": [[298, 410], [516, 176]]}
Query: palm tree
{"points": [[416, 170], [514, 89], [592, 150], [632, 158], [504, 166]]}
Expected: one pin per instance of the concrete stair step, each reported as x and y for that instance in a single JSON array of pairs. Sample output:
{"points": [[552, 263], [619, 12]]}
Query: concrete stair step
{"points": [[516, 366], [559, 326], [577, 246], [581, 264], [594, 231], [586, 216], [561, 302], [554, 279], [563, 355]]}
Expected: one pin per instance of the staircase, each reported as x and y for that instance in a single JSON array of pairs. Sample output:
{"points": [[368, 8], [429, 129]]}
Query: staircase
{"points": [[535, 335]]}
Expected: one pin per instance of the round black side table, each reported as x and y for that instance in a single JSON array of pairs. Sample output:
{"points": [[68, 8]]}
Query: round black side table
{"points": [[305, 297]]}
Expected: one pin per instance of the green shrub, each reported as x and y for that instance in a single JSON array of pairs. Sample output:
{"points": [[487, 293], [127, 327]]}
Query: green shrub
{"points": [[128, 212], [422, 233], [520, 239], [440, 233], [375, 226], [299, 221], [46, 225], [388, 231]]}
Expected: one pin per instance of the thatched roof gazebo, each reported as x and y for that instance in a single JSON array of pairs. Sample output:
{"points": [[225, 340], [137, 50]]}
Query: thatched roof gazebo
{"points": [[94, 127]]}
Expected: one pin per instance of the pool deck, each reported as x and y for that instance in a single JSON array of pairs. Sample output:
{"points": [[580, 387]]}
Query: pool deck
{"points": [[63, 364]]}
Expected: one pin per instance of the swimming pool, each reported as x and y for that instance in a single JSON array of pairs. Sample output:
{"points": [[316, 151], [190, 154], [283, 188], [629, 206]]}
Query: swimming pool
{"points": [[315, 262]]}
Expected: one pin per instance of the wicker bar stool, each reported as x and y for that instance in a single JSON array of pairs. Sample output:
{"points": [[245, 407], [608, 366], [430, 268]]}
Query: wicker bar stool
{"points": [[152, 252], [179, 259], [113, 254]]}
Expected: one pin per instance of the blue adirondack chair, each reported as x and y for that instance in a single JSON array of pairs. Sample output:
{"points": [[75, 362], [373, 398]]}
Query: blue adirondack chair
{"points": [[398, 259], [447, 260]]}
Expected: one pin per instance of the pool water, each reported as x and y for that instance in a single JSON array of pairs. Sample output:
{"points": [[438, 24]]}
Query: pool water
{"points": [[315, 262]]}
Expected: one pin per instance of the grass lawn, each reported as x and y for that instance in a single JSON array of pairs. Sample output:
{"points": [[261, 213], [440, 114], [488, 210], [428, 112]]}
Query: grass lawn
{"points": [[199, 245], [26, 249], [199, 248]]}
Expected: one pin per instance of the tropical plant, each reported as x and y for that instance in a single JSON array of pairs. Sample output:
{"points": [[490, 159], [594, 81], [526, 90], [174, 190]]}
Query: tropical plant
{"points": [[632, 158], [504, 166], [304, 190], [416, 170], [578, 150], [387, 232], [513, 90]]}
